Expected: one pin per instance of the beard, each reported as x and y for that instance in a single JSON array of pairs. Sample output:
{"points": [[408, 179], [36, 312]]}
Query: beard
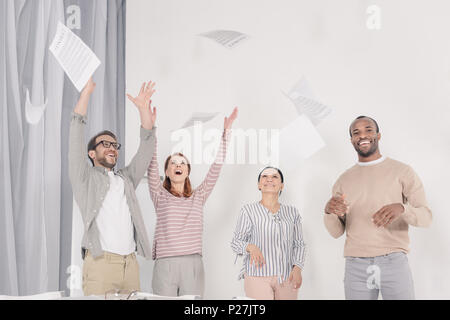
{"points": [[368, 153], [105, 163]]}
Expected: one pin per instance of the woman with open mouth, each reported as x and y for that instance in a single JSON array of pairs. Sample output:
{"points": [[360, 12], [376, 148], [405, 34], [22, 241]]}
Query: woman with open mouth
{"points": [[269, 236], [177, 243]]}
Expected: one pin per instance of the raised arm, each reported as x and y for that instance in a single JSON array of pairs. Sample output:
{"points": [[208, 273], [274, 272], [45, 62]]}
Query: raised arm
{"points": [[138, 165], [213, 174], [143, 104], [78, 165], [154, 182], [82, 104]]}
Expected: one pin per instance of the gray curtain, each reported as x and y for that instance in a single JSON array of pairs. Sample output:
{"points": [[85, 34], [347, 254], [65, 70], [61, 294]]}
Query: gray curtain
{"points": [[36, 100]]}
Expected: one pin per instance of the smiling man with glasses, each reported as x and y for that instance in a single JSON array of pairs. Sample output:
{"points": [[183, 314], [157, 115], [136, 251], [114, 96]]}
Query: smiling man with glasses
{"points": [[103, 149], [113, 225]]}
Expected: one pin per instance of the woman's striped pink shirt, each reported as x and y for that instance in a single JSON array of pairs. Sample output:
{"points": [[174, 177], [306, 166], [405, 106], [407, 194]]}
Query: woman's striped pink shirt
{"points": [[179, 220]]}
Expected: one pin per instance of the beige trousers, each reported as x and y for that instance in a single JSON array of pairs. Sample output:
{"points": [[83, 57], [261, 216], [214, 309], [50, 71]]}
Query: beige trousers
{"points": [[268, 288], [110, 273]]}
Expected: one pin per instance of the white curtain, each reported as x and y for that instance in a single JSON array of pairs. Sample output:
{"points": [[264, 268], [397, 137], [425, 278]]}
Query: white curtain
{"points": [[35, 102]]}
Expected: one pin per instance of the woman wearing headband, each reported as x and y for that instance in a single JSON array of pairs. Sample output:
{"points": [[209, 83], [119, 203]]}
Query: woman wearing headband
{"points": [[269, 236], [177, 244]]}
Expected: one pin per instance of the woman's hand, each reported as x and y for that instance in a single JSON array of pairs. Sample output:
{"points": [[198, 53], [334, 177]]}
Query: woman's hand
{"points": [[296, 277], [256, 256]]}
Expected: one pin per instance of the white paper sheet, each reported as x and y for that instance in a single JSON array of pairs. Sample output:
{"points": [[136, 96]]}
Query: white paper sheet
{"points": [[74, 56], [199, 117], [304, 101], [226, 38], [299, 140]]}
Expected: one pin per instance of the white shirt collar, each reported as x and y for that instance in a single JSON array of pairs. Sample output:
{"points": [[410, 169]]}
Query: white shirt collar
{"points": [[371, 163]]}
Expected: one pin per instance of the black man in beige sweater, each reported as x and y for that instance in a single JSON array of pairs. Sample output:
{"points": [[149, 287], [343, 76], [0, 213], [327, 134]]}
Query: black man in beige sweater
{"points": [[375, 202]]}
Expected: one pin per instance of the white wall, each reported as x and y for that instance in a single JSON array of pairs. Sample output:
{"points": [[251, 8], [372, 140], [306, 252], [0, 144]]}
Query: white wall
{"points": [[399, 75]]}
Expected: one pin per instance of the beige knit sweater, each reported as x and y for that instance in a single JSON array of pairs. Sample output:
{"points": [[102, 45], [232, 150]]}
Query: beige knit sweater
{"points": [[367, 189]]}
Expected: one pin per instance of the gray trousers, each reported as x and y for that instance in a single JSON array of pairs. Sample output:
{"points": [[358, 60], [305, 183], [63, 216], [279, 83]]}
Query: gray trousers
{"points": [[390, 274], [179, 276]]}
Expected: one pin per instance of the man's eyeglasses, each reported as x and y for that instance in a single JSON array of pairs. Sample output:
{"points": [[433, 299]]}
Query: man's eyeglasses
{"points": [[108, 144]]}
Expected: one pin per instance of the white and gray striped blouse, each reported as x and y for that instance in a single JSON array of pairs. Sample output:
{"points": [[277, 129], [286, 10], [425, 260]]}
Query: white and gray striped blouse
{"points": [[278, 236]]}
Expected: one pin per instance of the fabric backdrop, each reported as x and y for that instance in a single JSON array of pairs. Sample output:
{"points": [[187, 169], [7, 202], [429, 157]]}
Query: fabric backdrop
{"points": [[36, 100]]}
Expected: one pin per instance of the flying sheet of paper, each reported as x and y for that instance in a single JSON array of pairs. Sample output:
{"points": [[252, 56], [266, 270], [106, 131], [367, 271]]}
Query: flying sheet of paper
{"points": [[303, 98], [199, 117], [299, 140], [226, 38], [74, 56]]}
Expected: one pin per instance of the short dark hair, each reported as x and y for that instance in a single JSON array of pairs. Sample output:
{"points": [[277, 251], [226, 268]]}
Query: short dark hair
{"points": [[92, 142], [362, 117]]}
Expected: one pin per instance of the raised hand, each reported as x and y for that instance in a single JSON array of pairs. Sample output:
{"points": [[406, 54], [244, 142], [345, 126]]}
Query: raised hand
{"points": [[144, 104], [83, 102], [88, 88], [228, 121], [142, 100], [337, 205]]}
